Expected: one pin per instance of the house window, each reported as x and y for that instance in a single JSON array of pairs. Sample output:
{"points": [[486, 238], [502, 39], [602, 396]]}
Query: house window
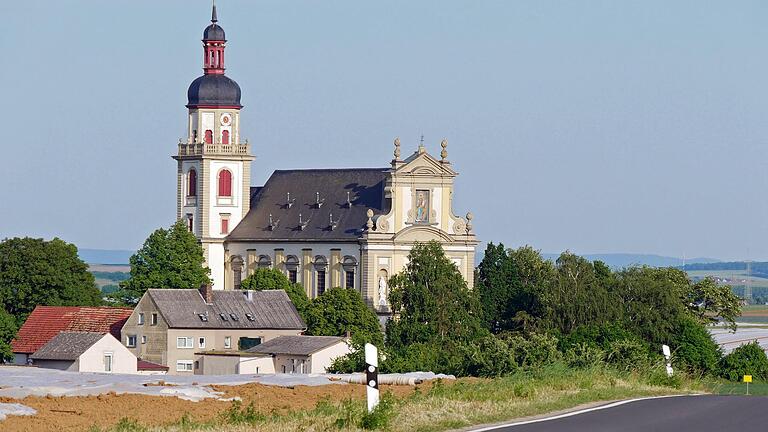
{"points": [[209, 136], [192, 183], [320, 282], [143, 339], [154, 319], [283, 368], [245, 343], [225, 137], [227, 342], [184, 365], [350, 279], [225, 223], [130, 341], [292, 273], [108, 362], [141, 319], [190, 222], [185, 342], [225, 183], [201, 342], [292, 266]]}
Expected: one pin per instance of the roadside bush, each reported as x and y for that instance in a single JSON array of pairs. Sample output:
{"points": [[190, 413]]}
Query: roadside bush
{"points": [[583, 355], [534, 351], [488, 357], [695, 349], [749, 359], [627, 354], [597, 335]]}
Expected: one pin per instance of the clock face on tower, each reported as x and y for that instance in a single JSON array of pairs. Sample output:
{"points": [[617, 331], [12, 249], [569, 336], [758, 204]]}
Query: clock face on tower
{"points": [[226, 119]]}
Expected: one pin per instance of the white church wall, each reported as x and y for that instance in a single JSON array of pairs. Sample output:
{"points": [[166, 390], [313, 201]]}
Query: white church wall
{"points": [[232, 206], [215, 261]]}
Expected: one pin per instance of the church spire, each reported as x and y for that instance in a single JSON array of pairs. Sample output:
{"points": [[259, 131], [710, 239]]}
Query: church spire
{"points": [[213, 13]]}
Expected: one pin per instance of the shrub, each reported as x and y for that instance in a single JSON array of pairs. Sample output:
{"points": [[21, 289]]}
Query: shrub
{"points": [[627, 354], [488, 357], [238, 415], [695, 348], [749, 359], [583, 355], [534, 351], [380, 417]]}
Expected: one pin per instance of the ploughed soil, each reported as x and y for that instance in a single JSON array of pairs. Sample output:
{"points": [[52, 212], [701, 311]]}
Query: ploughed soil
{"points": [[78, 413]]}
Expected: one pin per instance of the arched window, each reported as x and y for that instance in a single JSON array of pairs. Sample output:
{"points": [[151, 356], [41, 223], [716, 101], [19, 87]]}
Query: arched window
{"points": [[225, 137], [209, 136], [225, 183], [192, 183]]}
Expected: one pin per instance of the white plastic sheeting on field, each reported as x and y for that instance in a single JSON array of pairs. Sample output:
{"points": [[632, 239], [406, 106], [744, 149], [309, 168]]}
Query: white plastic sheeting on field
{"points": [[7, 409], [20, 381]]}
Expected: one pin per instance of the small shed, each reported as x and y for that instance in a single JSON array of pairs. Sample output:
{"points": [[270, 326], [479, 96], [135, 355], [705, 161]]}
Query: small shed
{"points": [[233, 363], [85, 352], [303, 354]]}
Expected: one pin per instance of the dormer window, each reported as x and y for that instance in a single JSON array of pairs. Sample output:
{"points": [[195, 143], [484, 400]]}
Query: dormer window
{"points": [[250, 317], [203, 317], [234, 317], [224, 316]]}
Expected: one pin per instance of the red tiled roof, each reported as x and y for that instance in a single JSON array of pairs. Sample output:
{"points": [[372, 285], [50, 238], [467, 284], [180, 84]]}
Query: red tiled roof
{"points": [[45, 322], [145, 365]]}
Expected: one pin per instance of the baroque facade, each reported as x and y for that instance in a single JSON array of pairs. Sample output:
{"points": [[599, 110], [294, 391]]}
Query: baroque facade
{"points": [[350, 227]]}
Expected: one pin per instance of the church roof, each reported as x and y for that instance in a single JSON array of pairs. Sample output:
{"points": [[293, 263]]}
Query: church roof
{"points": [[364, 185]]}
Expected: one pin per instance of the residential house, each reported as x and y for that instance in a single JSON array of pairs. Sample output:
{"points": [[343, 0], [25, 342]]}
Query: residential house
{"points": [[168, 326], [303, 354], [45, 322], [85, 352]]}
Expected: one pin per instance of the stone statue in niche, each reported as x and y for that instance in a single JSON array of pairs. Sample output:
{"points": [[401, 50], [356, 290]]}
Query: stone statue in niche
{"points": [[422, 206], [382, 291]]}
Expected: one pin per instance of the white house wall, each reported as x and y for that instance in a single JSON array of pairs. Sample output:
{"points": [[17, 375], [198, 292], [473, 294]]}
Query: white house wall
{"points": [[123, 360], [321, 360]]}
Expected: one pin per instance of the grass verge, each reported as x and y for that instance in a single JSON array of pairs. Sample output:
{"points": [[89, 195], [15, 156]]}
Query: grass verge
{"points": [[449, 405]]}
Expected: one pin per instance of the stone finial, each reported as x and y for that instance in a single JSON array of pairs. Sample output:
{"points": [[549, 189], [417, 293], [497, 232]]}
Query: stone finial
{"points": [[421, 145], [470, 216], [444, 151], [397, 149], [369, 223]]}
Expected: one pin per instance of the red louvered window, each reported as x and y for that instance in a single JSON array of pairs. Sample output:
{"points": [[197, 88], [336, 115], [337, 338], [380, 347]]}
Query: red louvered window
{"points": [[192, 183], [225, 137], [225, 183], [209, 136]]}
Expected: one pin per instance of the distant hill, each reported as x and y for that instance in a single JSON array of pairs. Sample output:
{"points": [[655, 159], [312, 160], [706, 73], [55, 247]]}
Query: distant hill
{"points": [[758, 269], [621, 260], [105, 256]]}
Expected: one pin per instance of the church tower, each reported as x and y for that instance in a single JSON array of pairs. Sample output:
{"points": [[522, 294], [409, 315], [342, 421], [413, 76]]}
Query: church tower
{"points": [[214, 164]]}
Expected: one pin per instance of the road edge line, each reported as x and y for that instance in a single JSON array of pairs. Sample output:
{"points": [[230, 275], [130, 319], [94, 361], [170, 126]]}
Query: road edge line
{"points": [[581, 411]]}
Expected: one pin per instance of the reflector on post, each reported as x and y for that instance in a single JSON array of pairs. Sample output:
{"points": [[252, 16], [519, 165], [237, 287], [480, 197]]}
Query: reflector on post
{"points": [[372, 375]]}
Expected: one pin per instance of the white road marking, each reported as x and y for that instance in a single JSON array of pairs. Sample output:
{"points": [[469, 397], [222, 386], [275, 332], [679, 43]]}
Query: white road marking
{"points": [[573, 413]]}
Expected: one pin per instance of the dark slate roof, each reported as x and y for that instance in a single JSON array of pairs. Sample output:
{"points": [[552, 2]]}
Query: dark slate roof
{"points": [[67, 346], [295, 345], [366, 188], [213, 90], [270, 309], [214, 32]]}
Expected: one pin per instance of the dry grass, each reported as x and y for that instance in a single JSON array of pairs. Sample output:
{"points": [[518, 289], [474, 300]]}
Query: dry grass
{"points": [[462, 403]]}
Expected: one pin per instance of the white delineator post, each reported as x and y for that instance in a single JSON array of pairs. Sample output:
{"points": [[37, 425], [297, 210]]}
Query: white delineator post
{"points": [[372, 375], [667, 355]]}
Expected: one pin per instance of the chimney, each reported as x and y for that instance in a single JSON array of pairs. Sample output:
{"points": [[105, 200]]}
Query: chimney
{"points": [[206, 290]]}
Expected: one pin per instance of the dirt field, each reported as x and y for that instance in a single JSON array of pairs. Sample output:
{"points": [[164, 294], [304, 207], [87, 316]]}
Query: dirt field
{"points": [[77, 413]]}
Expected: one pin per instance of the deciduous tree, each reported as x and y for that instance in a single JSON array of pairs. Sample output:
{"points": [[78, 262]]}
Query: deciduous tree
{"points": [[39, 272], [169, 258]]}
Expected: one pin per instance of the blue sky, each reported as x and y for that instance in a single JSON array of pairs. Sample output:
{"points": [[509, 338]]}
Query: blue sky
{"points": [[594, 126]]}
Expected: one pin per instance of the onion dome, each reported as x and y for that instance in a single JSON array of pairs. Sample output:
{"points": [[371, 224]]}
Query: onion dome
{"points": [[214, 32], [213, 90]]}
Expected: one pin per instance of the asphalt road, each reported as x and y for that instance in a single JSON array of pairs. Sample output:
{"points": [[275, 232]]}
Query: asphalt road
{"points": [[677, 414]]}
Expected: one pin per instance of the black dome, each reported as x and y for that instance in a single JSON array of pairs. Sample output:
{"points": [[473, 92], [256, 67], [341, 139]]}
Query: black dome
{"points": [[215, 90], [214, 32]]}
